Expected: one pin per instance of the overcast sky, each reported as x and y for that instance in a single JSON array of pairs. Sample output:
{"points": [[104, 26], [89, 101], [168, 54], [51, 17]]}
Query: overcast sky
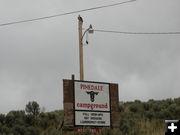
{"points": [[36, 56]]}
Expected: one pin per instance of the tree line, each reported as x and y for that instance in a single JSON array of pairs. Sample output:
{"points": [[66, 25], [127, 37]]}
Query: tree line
{"points": [[30, 121], [136, 118]]}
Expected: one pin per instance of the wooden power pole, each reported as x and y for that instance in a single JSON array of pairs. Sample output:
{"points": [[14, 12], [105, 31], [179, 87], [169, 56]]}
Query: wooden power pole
{"points": [[80, 23]]}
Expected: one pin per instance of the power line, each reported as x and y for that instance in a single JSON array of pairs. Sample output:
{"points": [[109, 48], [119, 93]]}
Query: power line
{"points": [[63, 14], [138, 33]]}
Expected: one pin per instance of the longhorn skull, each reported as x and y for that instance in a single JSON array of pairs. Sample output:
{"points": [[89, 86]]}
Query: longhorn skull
{"points": [[92, 95]]}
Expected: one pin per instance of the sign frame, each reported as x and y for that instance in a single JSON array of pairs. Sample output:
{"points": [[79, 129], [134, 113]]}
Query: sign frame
{"points": [[91, 110]]}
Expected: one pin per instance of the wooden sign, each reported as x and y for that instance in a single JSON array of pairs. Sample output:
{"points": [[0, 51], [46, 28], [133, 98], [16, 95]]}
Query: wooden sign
{"points": [[90, 104]]}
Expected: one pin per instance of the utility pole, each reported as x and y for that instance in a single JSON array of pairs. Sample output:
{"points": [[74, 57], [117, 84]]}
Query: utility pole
{"points": [[80, 23], [81, 35]]}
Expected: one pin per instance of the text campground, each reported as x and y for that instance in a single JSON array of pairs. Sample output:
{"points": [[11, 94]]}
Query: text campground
{"points": [[91, 106]]}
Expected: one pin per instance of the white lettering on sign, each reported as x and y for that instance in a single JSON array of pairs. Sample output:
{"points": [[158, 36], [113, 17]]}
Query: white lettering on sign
{"points": [[91, 96], [92, 118]]}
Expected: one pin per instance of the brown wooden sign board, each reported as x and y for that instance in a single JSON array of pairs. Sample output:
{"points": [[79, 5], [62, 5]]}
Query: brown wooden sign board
{"points": [[90, 104]]}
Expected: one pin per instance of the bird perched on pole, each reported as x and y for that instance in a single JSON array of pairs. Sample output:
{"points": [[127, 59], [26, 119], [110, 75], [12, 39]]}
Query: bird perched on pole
{"points": [[80, 18]]}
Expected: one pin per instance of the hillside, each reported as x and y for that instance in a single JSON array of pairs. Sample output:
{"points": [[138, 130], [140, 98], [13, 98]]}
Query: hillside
{"points": [[136, 118]]}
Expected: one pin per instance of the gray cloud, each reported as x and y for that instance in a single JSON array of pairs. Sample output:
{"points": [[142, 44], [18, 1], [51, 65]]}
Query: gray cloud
{"points": [[36, 56]]}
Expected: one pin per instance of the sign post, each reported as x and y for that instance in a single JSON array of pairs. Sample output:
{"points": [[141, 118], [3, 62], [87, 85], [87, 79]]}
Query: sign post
{"points": [[91, 105]]}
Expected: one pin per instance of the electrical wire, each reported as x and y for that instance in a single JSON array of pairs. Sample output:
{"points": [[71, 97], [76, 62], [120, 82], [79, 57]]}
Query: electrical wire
{"points": [[138, 33], [63, 14]]}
